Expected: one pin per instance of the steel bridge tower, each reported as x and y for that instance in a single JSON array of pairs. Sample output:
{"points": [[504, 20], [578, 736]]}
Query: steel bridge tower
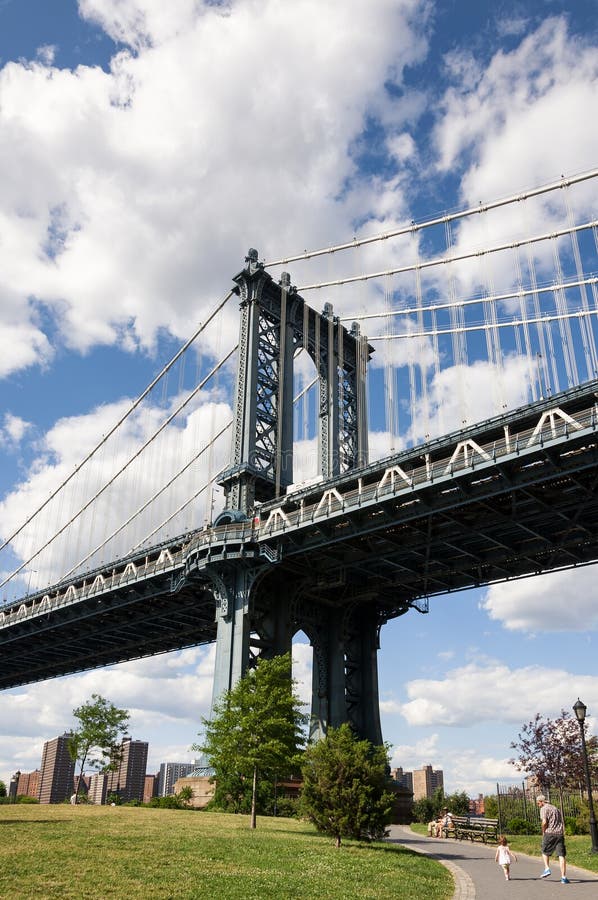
{"points": [[257, 611]]}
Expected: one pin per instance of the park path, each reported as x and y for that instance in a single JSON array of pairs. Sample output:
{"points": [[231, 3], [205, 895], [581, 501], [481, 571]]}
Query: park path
{"points": [[478, 877]]}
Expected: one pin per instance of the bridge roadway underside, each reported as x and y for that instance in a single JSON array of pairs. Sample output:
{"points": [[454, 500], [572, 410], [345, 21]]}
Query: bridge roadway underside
{"points": [[345, 573], [524, 519], [141, 619]]}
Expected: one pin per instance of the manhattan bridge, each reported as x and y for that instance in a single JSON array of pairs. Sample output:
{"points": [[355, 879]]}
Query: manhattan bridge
{"points": [[418, 416]]}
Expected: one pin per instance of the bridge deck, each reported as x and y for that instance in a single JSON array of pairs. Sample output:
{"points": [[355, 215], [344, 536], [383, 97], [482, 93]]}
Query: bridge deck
{"points": [[517, 496]]}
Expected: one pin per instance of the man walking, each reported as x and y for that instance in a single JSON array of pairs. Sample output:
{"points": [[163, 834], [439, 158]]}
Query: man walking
{"points": [[553, 837]]}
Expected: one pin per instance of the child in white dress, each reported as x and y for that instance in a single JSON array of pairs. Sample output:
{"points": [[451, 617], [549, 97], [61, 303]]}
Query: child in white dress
{"points": [[504, 857]]}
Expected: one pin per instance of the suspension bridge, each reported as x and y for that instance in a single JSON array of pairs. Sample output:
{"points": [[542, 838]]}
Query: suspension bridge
{"points": [[285, 472]]}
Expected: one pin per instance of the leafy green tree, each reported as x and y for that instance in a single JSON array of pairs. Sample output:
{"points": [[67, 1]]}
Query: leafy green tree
{"points": [[97, 739], [345, 788], [424, 810], [185, 795], [491, 806], [457, 803], [255, 731], [2, 789]]}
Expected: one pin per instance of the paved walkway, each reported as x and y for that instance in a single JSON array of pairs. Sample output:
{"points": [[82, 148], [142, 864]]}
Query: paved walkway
{"points": [[478, 877]]}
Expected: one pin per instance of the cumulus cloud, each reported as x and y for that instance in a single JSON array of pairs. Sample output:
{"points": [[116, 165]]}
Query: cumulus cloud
{"points": [[557, 601], [13, 430], [138, 188], [166, 703], [489, 690]]}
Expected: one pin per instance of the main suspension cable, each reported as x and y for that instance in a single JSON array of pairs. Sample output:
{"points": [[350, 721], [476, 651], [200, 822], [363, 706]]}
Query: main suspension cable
{"points": [[439, 220], [117, 425]]}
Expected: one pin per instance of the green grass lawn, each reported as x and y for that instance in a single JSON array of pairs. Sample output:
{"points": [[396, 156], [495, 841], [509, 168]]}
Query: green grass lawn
{"points": [[578, 847], [123, 852]]}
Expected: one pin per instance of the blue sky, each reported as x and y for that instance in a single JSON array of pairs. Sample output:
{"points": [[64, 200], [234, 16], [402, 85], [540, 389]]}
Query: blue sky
{"points": [[143, 148]]}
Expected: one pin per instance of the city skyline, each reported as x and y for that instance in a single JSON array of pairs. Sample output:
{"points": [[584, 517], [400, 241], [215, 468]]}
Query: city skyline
{"points": [[140, 160]]}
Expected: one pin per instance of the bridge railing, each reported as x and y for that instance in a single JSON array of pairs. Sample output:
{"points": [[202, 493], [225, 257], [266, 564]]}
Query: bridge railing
{"points": [[391, 478]]}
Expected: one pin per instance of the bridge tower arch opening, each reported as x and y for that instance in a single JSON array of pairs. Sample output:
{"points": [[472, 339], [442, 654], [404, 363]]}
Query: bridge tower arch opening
{"points": [[276, 323], [256, 614]]}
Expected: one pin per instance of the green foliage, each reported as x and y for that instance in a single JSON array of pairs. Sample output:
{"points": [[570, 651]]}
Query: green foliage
{"points": [[172, 801], [114, 800], [491, 806], [25, 799], [457, 803], [519, 825], [185, 795], [344, 787], [582, 820], [255, 734], [285, 807], [2, 789], [96, 740], [424, 810]]}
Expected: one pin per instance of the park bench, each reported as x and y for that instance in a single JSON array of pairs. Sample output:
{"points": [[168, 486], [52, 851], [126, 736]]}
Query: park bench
{"points": [[473, 829]]}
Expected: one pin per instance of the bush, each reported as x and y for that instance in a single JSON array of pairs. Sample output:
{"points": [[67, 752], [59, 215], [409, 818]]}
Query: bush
{"points": [[582, 819], [518, 825], [286, 807], [423, 810], [170, 802]]}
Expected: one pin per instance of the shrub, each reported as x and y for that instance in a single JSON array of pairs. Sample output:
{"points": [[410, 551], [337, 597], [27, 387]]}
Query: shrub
{"points": [[285, 807], [518, 825], [582, 820], [423, 810]]}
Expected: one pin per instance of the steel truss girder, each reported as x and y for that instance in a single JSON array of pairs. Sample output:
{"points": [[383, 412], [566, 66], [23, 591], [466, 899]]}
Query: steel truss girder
{"points": [[275, 324]]}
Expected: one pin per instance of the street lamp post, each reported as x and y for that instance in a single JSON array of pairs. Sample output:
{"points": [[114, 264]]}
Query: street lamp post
{"points": [[579, 709]]}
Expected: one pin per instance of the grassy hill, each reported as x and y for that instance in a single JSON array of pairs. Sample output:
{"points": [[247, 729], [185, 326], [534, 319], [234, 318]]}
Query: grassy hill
{"points": [[123, 852]]}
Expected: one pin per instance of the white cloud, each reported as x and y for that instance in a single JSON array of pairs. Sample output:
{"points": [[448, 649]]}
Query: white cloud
{"points": [[136, 190], [489, 690], [525, 117], [424, 752], [13, 430], [464, 768], [165, 700], [557, 601]]}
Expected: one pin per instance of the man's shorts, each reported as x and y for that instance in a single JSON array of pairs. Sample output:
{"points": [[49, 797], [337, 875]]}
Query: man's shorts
{"points": [[553, 844]]}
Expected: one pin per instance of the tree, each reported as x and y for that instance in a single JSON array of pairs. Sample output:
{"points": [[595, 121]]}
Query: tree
{"points": [[97, 740], [344, 786], [2, 789], [550, 751], [185, 795], [457, 803], [255, 731]]}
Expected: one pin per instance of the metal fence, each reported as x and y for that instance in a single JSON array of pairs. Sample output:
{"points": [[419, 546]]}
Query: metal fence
{"points": [[520, 803]]}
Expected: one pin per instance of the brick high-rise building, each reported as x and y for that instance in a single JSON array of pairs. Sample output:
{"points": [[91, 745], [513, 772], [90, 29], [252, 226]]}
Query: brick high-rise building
{"points": [[405, 779], [56, 771], [425, 781], [129, 778], [150, 788], [28, 784], [97, 788]]}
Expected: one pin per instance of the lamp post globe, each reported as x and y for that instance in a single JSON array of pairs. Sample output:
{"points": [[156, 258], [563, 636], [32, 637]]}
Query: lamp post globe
{"points": [[580, 710]]}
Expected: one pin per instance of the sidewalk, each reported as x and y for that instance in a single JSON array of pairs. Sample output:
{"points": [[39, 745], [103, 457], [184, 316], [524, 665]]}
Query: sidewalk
{"points": [[478, 877]]}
